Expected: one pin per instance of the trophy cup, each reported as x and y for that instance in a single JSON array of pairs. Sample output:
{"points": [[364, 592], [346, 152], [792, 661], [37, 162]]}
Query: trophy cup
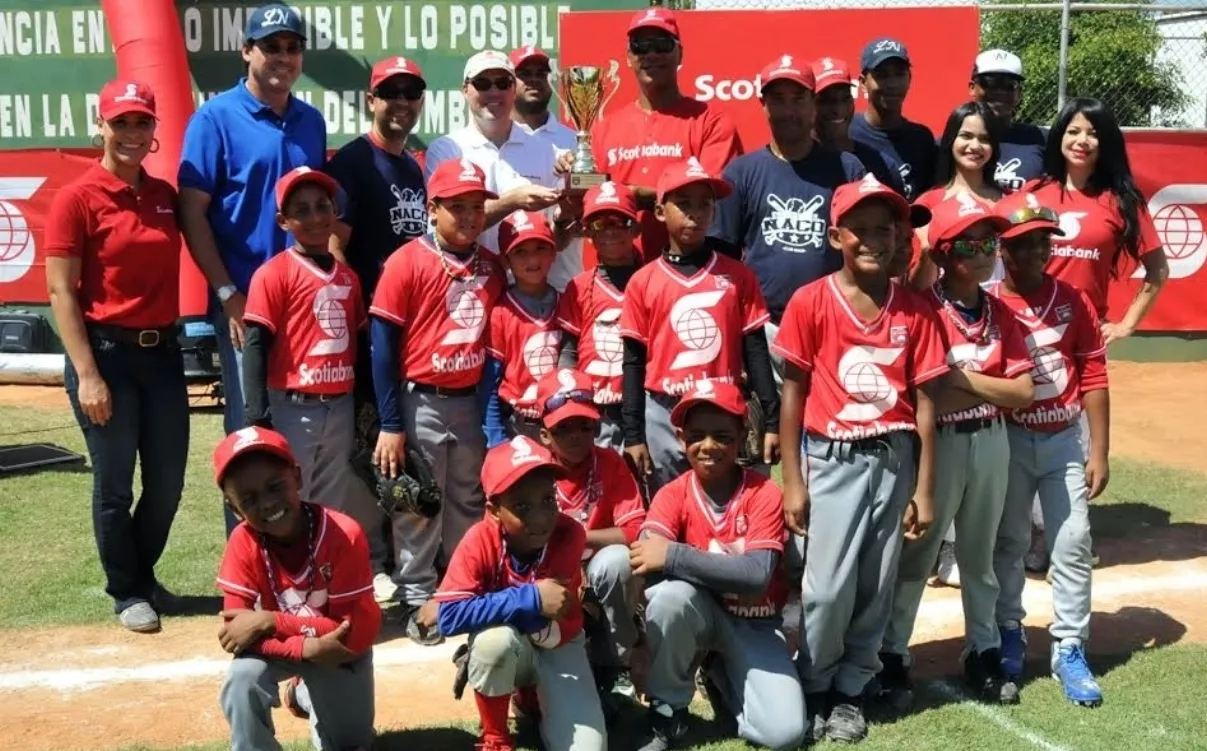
{"points": [[581, 88]]}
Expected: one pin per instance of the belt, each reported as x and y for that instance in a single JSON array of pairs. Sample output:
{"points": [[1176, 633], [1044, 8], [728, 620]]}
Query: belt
{"points": [[972, 425], [876, 443], [444, 392], [668, 401], [301, 397], [138, 337]]}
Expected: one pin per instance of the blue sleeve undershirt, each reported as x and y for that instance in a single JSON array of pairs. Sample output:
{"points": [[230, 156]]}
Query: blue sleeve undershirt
{"points": [[387, 382], [519, 607], [488, 399]]}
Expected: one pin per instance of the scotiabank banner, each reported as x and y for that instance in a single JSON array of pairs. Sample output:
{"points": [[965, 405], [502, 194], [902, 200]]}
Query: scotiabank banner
{"points": [[724, 50]]}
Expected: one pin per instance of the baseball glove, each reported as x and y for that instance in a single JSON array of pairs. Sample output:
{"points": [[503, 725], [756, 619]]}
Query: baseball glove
{"points": [[751, 452], [414, 491]]}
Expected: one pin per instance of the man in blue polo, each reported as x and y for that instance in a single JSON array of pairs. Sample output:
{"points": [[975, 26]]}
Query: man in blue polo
{"points": [[236, 147], [997, 81]]}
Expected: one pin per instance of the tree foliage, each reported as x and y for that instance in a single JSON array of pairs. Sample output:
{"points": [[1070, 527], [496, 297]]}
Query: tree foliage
{"points": [[1112, 56]]}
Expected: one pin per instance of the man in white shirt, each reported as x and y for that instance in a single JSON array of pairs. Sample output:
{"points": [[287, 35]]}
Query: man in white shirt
{"points": [[532, 95], [520, 167]]}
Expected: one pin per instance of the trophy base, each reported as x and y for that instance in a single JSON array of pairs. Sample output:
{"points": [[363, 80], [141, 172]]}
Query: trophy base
{"points": [[581, 182]]}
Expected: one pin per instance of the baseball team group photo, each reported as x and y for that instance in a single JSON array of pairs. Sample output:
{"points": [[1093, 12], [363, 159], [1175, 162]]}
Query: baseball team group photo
{"points": [[597, 424]]}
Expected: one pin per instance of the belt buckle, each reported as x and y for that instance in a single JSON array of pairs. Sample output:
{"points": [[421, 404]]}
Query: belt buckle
{"points": [[148, 338]]}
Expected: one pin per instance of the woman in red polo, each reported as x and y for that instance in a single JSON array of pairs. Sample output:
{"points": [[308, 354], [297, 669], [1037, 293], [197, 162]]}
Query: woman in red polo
{"points": [[112, 268]]}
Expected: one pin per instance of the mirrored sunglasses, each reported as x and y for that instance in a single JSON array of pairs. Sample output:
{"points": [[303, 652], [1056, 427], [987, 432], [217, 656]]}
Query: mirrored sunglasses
{"points": [[562, 398], [973, 248], [660, 44], [1033, 214]]}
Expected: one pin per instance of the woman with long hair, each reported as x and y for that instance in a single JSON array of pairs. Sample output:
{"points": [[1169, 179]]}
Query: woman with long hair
{"points": [[112, 270]]}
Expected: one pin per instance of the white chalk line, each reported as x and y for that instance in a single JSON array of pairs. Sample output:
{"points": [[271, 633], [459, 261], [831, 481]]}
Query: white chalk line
{"points": [[994, 715]]}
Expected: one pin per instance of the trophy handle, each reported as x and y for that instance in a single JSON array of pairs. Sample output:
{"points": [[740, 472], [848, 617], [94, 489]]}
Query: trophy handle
{"points": [[614, 77]]}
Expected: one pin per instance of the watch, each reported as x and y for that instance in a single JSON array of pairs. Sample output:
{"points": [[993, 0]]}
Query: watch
{"points": [[226, 292]]}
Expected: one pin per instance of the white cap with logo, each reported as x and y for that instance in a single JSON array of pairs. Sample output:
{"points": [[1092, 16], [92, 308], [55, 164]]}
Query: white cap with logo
{"points": [[998, 62], [487, 60]]}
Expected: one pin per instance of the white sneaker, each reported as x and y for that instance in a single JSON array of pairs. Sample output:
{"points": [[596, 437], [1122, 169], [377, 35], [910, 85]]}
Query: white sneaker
{"points": [[949, 572], [384, 588]]}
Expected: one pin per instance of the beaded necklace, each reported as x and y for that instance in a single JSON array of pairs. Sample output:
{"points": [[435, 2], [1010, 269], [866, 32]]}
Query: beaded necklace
{"points": [[311, 532], [976, 332]]}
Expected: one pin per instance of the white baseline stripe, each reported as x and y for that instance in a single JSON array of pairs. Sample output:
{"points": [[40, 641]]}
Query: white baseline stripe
{"points": [[994, 715]]}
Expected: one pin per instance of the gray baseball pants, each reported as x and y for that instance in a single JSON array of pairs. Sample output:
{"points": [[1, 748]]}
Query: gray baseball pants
{"points": [[971, 472], [610, 577], [665, 449], [1052, 464], [502, 659], [754, 669], [858, 492], [447, 430], [322, 435], [611, 433], [339, 700]]}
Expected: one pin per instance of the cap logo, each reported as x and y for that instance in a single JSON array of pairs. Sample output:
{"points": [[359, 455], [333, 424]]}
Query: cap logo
{"points": [[607, 193], [565, 379], [870, 184], [529, 50], [1032, 201], [969, 205], [131, 95], [704, 388], [651, 14], [521, 451], [887, 45], [695, 169], [246, 437], [827, 63], [469, 173], [273, 17], [520, 221]]}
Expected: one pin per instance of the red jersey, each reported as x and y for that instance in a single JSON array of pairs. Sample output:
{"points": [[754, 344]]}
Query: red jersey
{"points": [[481, 564], [590, 310], [860, 372], [633, 146], [313, 316], [128, 246], [1067, 352], [443, 305], [311, 602], [527, 347], [1093, 230], [692, 327], [753, 519], [993, 345], [603, 494]]}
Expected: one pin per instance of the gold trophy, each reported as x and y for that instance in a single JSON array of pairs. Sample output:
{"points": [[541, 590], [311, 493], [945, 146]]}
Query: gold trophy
{"points": [[581, 88]]}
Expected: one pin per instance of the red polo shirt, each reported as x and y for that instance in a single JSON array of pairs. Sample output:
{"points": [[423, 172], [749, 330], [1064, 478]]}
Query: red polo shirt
{"points": [[128, 245]]}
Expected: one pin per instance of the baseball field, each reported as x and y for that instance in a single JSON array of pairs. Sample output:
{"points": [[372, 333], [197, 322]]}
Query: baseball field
{"points": [[72, 679]]}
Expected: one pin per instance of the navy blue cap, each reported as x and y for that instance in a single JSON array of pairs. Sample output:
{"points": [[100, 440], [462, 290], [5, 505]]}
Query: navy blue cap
{"points": [[273, 18], [879, 50]]}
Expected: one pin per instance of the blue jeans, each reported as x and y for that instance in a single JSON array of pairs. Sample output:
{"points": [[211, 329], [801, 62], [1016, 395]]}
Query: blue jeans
{"points": [[231, 361], [150, 422]]}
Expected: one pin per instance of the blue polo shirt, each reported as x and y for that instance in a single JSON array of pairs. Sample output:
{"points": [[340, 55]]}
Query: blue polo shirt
{"points": [[236, 149], [1022, 157], [779, 214], [384, 202], [911, 145]]}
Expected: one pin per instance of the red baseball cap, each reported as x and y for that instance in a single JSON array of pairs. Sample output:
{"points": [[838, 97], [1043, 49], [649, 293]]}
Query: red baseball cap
{"points": [[394, 66], [121, 96], [1022, 213], [829, 71], [850, 195], [507, 463], [521, 55], [687, 172], [655, 18], [456, 177], [298, 177], [718, 393], [566, 393], [610, 196], [246, 441], [522, 225], [954, 215], [787, 68]]}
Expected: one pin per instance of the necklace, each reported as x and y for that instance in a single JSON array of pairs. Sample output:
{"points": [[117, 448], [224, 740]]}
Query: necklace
{"points": [[976, 332], [591, 491], [311, 529], [469, 270]]}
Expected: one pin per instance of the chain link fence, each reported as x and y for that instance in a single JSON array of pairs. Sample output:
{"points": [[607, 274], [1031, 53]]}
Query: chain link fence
{"points": [[1147, 60]]}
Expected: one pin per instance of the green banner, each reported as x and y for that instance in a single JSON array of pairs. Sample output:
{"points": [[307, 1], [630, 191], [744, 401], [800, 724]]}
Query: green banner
{"points": [[56, 54]]}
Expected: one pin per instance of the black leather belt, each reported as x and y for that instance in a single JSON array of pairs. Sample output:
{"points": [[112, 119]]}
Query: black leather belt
{"points": [[138, 337], [972, 425], [301, 397], [443, 392]]}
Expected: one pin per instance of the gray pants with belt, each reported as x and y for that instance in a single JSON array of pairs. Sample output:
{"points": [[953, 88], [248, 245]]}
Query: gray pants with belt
{"points": [[857, 497], [665, 449], [339, 700], [448, 431], [1052, 464], [611, 433], [322, 435], [971, 471]]}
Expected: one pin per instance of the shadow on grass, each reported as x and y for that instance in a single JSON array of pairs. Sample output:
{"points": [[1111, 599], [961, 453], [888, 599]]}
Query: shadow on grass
{"points": [[433, 739], [188, 605], [1135, 532]]}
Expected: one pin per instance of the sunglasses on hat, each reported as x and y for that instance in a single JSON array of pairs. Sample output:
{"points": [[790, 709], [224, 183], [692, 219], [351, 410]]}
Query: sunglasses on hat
{"points": [[1033, 214], [412, 92], [562, 398], [974, 248], [484, 83], [603, 224], [659, 44]]}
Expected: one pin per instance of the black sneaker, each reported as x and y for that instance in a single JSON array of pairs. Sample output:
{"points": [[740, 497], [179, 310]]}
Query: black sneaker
{"points": [[415, 632], [895, 689], [615, 688], [817, 712], [984, 675], [666, 727], [846, 723]]}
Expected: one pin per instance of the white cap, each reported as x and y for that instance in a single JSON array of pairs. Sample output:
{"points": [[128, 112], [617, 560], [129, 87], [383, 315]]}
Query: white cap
{"points": [[487, 60], [998, 61]]}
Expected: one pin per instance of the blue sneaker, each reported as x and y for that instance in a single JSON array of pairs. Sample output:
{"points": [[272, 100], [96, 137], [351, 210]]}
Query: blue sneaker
{"points": [[1069, 666], [1014, 649]]}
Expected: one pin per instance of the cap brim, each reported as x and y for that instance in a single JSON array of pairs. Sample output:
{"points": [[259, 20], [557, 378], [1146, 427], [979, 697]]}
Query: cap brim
{"points": [[902, 208], [720, 188], [605, 209], [784, 77], [397, 74], [679, 413], [1014, 230], [264, 33], [117, 110], [261, 448], [321, 179], [570, 410], [963, 225], [836, 81], [517, 473], [532, 234], [658, 25], [876, 63], [455, 191], [533, 56]]}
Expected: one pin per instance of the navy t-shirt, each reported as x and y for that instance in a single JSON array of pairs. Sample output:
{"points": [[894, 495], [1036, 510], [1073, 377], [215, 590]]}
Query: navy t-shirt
{"points": [[1022, 158], [779, 214], [384, 202], [886, 168], [911, 145]]}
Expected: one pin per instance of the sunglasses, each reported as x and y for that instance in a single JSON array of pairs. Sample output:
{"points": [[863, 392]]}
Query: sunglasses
{"points": [[276, 48], [973, 248], [411, 93], [1033, 214], [999, 83], [562, 398], [659, 45], [483, 83], [601, 224]]}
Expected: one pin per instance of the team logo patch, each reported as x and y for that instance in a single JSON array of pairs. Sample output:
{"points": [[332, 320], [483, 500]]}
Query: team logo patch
{"points": [[739, 525], [325, 570], [723, 281], [1064, 313], [794, 224], [898, 335]]}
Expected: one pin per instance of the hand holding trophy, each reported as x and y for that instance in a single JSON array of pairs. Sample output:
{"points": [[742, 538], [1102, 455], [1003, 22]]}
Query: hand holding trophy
{"points": [[582, 91]]}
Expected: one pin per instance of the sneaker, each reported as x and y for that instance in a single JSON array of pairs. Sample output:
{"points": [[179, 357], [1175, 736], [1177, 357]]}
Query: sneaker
{"points": [[622, 685], [615, 688], [140, 618], [289, 698], [895, 689], [1036, 558], [846, 723], [1069, 666], [666, 726], [1014, 649], [817, 713], [384, 589], [949, 572], [418, 634], [984, 675]]}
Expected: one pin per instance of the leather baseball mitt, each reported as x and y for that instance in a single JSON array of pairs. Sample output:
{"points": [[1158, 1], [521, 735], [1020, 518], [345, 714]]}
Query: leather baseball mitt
{"points": [[751, 452]]}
